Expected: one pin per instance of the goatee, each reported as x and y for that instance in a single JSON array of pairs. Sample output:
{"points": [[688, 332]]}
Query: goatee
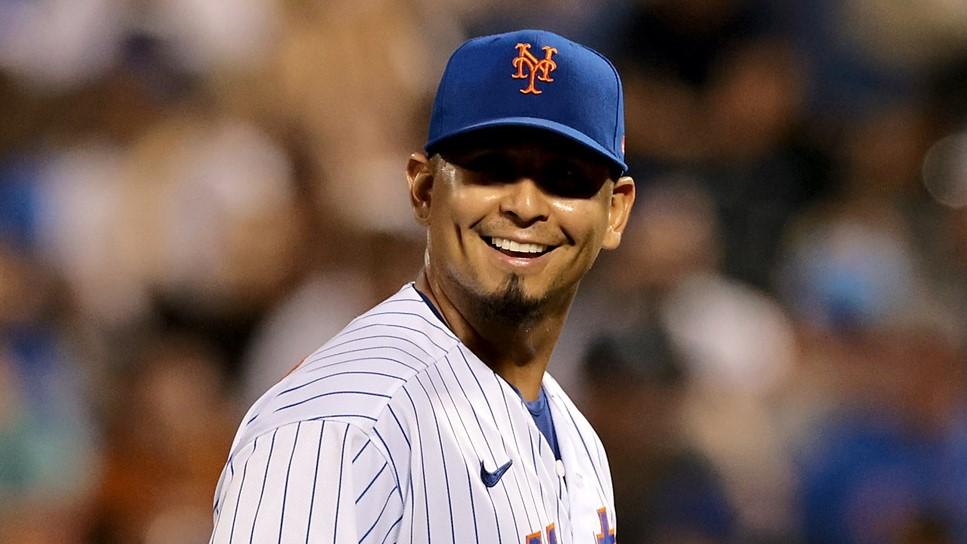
{"points": [[510, 304]]}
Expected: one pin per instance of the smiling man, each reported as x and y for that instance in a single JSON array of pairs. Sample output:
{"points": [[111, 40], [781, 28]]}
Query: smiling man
{"points": [[431, 418]]}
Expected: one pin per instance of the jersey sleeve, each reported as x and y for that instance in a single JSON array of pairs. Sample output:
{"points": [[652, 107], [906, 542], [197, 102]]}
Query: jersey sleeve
{"points": [[310, 481]]}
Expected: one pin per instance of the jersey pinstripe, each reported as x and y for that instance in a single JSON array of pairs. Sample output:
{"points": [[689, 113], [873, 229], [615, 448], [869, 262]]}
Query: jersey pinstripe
{"points": [[385, 435]]}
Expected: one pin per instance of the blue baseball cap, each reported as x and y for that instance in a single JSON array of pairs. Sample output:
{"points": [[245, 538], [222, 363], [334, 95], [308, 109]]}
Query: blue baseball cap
{"points": [[535, 79]]}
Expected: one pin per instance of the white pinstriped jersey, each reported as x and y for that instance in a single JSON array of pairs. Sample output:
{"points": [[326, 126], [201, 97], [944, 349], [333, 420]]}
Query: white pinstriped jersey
{"points": [[392, 431]]}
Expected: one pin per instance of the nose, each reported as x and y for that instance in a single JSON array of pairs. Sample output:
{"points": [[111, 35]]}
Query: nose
{"points": [[524, 202]]}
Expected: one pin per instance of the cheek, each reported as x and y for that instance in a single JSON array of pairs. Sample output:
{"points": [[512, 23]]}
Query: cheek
{"points": [[584, 221], [465, 207], [454, 213]]}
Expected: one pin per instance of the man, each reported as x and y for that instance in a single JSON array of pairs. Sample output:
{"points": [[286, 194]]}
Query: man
{"points": [[430, 418]]}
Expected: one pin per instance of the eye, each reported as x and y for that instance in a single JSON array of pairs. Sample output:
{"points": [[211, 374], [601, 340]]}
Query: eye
{"points": [[570, 180], [491, 166]]}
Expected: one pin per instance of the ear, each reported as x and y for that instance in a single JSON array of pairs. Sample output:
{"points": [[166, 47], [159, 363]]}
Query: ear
{"points": [[622, 199], [419, 176]]}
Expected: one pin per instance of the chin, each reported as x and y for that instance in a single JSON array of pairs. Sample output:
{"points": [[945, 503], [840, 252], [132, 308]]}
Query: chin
{"points": [[509, 297], [511, 302]]}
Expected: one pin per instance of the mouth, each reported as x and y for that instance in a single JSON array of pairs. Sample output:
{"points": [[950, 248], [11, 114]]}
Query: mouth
{"points": [[519, 250]]}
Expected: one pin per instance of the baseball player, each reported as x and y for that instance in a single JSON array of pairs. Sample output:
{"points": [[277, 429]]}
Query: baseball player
{"points": [[431, 418]]}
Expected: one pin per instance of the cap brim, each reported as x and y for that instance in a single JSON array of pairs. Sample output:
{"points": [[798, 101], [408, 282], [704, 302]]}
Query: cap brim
{"points": [[532, 122]]}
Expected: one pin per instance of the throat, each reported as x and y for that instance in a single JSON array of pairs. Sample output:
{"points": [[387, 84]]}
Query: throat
{"points": [[511, 333], [522, 367]]}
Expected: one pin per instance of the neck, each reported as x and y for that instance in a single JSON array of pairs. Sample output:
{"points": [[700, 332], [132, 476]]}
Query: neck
{"points": [[517, 351]]}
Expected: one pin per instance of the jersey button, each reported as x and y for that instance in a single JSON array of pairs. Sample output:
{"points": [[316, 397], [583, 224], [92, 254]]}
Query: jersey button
{"points": [[560, 468]]}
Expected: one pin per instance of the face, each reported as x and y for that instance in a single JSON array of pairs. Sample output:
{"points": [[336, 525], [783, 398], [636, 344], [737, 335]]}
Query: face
{"points": [[515, 222]]}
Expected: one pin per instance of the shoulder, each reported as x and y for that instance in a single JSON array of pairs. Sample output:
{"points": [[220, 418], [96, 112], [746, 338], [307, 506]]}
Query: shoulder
{"points": [[300, 480], [354, 376]]}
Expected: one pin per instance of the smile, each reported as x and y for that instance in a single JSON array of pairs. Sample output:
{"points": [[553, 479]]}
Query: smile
{"points": [[518, 249]]}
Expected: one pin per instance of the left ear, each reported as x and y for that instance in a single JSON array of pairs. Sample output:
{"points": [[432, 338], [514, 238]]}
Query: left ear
{"points": [[622, 198]]}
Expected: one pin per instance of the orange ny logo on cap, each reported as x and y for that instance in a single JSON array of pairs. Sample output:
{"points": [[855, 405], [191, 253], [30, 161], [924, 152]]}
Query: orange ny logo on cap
{"points": [[536, 68]]}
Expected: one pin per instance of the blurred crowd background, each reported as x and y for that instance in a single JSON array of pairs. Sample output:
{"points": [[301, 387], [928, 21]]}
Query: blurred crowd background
{"points": [[194, 194]]}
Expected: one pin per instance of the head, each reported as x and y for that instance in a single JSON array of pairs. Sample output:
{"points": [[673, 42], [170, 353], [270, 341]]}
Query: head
{"points": [[635, 384], [520, 190]]}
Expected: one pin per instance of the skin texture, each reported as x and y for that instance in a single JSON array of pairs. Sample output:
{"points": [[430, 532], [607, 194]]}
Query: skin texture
{"points": [[526, 187]]}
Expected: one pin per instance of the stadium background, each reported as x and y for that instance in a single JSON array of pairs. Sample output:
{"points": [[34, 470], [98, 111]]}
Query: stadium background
{"points": [[195, 193]]}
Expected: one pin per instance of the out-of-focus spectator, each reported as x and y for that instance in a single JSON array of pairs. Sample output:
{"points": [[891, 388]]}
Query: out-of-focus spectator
{"points": [[220, 229], [193, 219], [593, 22], [863, 51], [83, 206], [735, 344], [850, 271], [58, 45], [855, 257], [359, 103], [669, 53], [48, 443], [668, 492], [714, 88], [164, 446], [878, 457], [758, 166], [887, 467]]}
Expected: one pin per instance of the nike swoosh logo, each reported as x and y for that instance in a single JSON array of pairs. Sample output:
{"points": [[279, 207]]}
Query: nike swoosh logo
{"points": [[490, 479]]}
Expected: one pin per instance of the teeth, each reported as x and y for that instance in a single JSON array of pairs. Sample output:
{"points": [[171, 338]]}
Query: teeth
{"points": [[510, 245]]}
